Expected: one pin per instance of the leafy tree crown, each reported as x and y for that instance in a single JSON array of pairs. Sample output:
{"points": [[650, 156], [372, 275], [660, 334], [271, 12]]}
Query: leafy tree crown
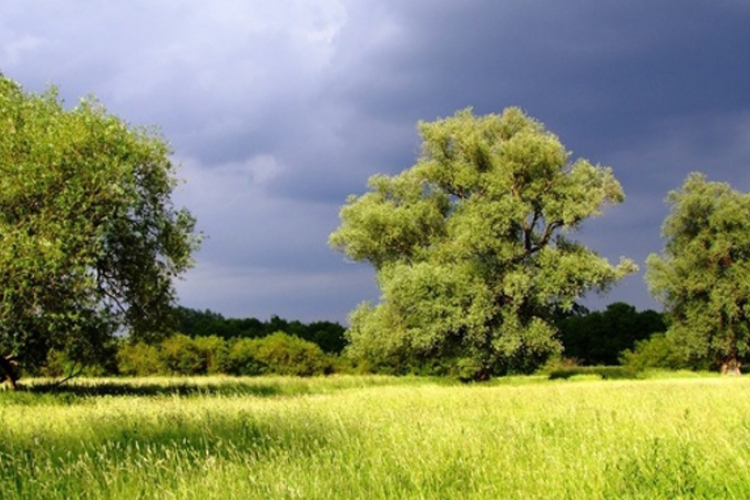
{"points": [[90, 241], [470, 244]]}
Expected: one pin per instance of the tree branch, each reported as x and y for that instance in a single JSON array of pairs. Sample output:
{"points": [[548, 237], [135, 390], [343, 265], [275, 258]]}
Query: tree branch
{"points": [[528, 230]]}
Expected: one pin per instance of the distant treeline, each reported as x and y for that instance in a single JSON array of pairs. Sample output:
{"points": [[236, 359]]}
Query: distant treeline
{"points": [[195, 323], [205, 342], [588, 337], [602, 337]]}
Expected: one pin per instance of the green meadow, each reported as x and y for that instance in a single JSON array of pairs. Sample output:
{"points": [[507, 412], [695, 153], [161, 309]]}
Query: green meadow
{"points": [[348, 437]]}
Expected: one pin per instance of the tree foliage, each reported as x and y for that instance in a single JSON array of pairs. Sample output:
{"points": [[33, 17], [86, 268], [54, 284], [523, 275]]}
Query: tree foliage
{"points": [[278, 353], [703, 275], [471, 249], [140, 360], [600, 337], [89, 239], [659, 351], [328, 335]]}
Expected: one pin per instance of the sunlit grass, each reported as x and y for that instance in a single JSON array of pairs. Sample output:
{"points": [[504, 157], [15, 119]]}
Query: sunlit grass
{"points": [[380, 437]]}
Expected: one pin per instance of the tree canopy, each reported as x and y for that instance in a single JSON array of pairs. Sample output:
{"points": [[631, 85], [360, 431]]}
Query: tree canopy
{"points": [[471, 246], [703, 275], [89, 239], [600, 337]]}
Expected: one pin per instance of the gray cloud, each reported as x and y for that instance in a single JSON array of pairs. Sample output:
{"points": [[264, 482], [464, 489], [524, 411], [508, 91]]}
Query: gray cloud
{"points": [[278, 110]]}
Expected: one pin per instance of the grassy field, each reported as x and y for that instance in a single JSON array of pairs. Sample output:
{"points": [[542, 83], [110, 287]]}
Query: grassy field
{"points": [[378, 437]]}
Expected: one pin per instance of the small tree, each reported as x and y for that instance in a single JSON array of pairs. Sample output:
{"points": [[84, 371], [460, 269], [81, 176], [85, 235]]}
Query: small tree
{"points": [[703, 276], [89, 239], [469, 246]]}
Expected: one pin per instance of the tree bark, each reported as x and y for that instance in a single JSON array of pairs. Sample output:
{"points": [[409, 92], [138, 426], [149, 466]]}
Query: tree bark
{"points": [[8, 370], [730, 367]]}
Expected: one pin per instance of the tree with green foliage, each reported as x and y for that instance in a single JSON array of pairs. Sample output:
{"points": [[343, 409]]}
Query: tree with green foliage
{"points": [[703, 276], [471, 246], [599, 337], [89, 239]]}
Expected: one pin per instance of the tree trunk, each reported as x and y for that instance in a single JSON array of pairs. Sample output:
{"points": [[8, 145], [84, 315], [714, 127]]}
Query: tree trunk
{"points": [[8, 370], [730, 367]]}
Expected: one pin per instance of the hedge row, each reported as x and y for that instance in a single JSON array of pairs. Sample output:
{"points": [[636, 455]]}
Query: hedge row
{"points": [[278, 353]]}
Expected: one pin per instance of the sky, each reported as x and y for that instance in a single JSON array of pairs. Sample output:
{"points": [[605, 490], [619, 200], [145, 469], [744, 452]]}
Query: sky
{"points": [[277, 110]]}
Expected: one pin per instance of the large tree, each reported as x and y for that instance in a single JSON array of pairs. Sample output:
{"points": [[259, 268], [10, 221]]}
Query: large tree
{"points": [[703, 276], [89, 238], [471, 246]]}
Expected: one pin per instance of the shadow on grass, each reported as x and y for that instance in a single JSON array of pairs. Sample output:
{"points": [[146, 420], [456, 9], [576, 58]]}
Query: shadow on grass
{"points": [[603, 372], [40, 391], [125, 388]]}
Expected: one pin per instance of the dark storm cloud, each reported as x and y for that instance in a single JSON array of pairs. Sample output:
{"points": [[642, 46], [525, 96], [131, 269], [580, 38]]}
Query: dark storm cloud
{"points": [[278, 110], [604, 76], [653, 89]]}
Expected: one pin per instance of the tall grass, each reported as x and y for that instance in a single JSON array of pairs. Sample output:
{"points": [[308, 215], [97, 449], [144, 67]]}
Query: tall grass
{"points": [[373, 438]]}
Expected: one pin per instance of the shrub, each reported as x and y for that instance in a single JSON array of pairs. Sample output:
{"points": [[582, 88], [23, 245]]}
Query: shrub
{"points": [[242, 359], [280, 354], [289, 355], [139, 360], [182, 356], [559, 362], [659, 351], [214, 352]]}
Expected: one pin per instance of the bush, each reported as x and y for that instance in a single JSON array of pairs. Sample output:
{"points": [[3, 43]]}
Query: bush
{"points": [[139, 360], [280, 354], [657, 352], [288, 355], [182, 356], [558, 362], [242, 359], [214, 352]]}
